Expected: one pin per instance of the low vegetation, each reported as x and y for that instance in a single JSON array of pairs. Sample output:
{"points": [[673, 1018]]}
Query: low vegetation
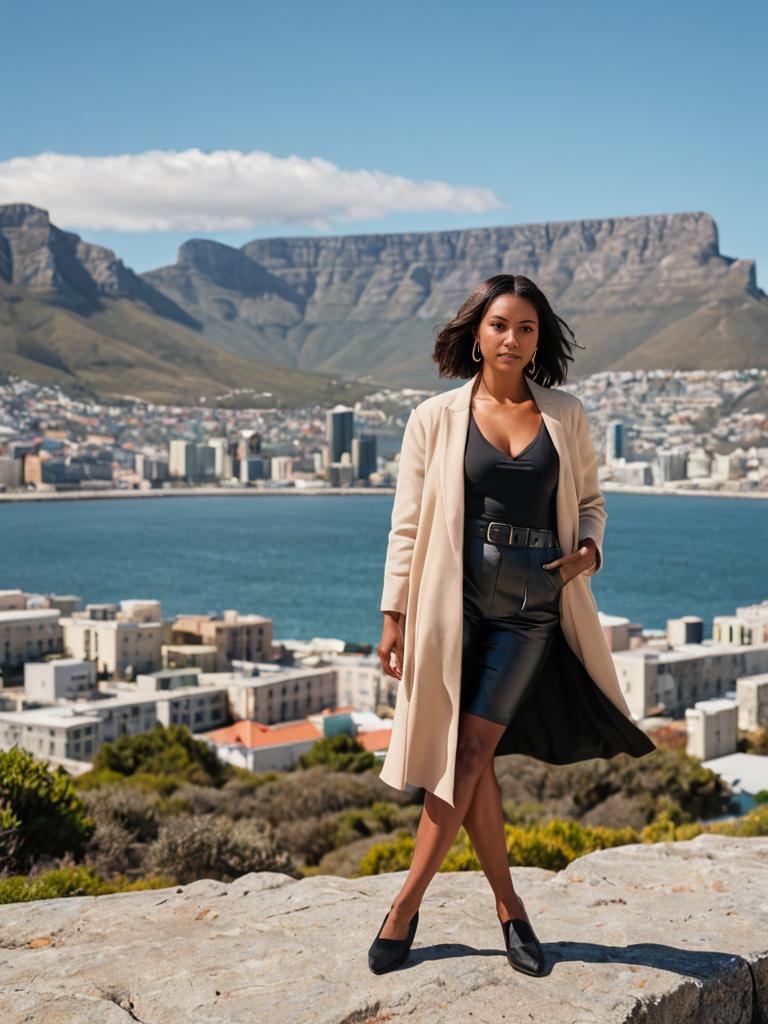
{"points": [[159, 809]]}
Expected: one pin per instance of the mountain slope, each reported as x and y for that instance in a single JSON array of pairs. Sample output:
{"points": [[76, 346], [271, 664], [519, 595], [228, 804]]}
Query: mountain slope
{"points": [[74, 315], [278, 313], [633, 288]]}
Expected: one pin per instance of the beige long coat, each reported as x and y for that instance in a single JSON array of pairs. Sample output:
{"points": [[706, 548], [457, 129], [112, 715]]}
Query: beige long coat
{"points": [[423, 575]]}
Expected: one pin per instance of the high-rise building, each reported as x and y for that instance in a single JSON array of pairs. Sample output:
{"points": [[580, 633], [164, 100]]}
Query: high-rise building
{"points": [[339, 429], [364, 456], [615, 440]]}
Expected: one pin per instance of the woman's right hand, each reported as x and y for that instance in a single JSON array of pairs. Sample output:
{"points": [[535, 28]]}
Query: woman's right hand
{"points": [[392, 640]]}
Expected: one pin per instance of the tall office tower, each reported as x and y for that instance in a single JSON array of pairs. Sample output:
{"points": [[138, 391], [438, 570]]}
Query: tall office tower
{"points": [[156, 470], [672, 465], [254, 467], [339, 431], [281, 467], [220, 446], [364, 456], [340, 474], [205, 462], [615, 441], [177, 460], [233, 458]]}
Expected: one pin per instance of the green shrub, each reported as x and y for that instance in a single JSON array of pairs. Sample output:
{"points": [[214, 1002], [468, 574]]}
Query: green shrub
{"points": [[210, 846], [385, 815], [555, 843], [71, 881], [617, 792], [309, 839], [162, 753], [551, 845], [40, 812], [395, 855], [339, 753]]}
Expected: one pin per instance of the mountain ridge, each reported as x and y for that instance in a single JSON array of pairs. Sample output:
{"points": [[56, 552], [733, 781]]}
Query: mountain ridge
{"points": [[640, 292], [73, 314], [370, 300]]}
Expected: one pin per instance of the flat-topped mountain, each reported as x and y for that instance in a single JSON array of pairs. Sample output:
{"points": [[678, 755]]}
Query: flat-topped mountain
{"points": [[313, 319], [640, 292]]}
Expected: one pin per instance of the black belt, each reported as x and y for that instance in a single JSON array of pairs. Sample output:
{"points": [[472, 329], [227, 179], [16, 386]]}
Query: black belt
{"points": [[517, 536]]}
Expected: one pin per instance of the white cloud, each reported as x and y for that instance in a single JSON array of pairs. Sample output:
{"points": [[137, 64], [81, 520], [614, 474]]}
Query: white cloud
{"points": [[163, 190]]}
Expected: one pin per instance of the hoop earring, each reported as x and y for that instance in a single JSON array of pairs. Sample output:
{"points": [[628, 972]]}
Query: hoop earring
{"points": [[532, 363], [478, 358]]}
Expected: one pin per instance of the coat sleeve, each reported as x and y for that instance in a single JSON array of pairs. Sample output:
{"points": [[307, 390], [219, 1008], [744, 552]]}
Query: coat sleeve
{"points": [[592, 513], [405, 516]]}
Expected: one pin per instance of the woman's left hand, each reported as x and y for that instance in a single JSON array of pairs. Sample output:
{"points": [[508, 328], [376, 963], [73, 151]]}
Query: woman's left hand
{"points": [[584, 558]]}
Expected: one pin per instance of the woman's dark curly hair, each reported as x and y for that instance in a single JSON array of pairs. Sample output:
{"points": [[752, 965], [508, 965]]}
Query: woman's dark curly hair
{"points": [[454, 343]]}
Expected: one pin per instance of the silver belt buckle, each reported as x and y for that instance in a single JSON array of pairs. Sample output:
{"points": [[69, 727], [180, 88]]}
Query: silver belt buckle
{"points": [[488, 532]]}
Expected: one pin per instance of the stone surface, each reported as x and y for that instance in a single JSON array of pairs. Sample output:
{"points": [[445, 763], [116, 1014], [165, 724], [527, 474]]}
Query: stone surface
{"points": [[671, 932]]}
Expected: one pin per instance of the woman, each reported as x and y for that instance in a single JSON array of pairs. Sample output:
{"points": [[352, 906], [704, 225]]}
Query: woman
{"points": [[497, 522]]}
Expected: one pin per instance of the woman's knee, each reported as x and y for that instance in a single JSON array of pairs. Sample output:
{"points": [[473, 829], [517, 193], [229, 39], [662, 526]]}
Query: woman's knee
{"points": [[473, 752]]}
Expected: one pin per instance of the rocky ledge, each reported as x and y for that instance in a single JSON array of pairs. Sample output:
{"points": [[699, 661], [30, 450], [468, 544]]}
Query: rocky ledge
{"points": [[670, 932]]}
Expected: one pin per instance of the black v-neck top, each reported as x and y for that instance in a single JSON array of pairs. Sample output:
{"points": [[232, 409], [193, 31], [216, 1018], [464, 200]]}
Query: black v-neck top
{"points": [[521, 489]]}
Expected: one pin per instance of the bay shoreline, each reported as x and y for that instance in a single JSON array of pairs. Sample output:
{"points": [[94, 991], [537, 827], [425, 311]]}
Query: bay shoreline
{"points": [[112, 494]]}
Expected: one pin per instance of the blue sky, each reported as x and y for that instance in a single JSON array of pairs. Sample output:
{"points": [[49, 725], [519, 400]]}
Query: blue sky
{"points": [[243, 120]]}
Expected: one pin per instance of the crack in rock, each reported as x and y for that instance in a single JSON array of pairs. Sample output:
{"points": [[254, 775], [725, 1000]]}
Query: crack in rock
{"points": [[125, 1003]]}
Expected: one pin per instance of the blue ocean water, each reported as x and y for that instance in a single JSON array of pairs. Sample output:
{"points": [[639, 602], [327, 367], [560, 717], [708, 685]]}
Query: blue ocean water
{"points": [[314, 564]]}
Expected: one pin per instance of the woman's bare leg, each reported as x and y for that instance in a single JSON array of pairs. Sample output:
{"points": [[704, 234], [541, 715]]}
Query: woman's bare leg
{"points": [[440, 822], [484, 822]]}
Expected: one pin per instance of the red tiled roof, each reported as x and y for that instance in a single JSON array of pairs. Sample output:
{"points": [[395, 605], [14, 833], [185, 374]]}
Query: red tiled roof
{"points": [[255, 734], [375, 739]]}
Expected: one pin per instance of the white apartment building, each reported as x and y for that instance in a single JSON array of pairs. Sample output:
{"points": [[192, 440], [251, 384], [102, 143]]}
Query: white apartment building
{"points": [[362, 683], [13, 600], [76, 732], [752, 699], [617, 629], [712, 728], [116, 646], [277, 694], [166, 679], [141, 610], [738, 630], [235, 636], [46, 682], [55, 733], [27, 634], [202, 656], [669, 681]]}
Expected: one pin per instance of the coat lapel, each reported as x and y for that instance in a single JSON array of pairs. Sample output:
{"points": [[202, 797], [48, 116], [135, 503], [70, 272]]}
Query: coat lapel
{"points": [[454, 423]]}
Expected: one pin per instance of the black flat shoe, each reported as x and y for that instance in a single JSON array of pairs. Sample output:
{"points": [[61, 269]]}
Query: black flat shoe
{"points": [[524, 950], [387, 954]]}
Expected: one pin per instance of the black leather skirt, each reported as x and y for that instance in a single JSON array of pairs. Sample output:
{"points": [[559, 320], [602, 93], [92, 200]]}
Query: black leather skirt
{"points": [[518, 669], [511, 619]]}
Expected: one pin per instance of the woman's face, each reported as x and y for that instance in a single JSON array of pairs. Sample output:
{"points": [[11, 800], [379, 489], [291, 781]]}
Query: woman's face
{"points": [[510, 326]]}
